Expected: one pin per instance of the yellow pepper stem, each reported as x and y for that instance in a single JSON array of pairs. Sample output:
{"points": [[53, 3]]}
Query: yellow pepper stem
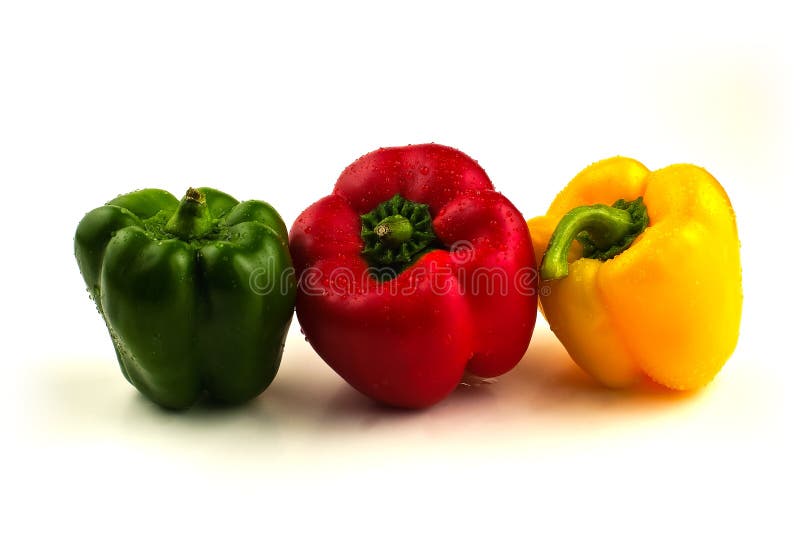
{"points": [[604, 231]]}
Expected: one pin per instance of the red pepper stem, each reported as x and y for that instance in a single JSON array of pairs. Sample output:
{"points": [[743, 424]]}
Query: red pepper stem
{"points": [[394, 230], [604, 224], [191, 220]]}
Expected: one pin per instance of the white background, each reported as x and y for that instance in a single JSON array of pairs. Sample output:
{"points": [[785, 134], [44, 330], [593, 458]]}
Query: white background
{"points": [[272, 101]]}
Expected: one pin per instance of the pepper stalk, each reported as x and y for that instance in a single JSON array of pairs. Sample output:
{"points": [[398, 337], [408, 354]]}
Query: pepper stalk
{"points": [[192, 219], [604, 231]]}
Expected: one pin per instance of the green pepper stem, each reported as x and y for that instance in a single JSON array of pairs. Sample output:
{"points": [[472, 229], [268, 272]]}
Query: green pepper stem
{"points": [[191, 220], [608, 230]]}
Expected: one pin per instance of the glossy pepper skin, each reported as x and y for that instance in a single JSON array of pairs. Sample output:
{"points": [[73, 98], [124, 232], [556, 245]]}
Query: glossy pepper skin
{"points": [[667, 307], [440, 306], [197, 295]]}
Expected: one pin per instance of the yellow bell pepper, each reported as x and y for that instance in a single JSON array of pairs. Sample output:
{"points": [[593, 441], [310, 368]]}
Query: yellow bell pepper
{"points": [[651, 286]]}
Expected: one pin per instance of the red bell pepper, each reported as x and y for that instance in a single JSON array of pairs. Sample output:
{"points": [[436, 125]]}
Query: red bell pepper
{"points": [[413, 272]]}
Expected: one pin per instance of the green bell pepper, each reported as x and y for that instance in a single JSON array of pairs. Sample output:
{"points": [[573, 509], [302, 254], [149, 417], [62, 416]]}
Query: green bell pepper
{"points": [[197, 295]]}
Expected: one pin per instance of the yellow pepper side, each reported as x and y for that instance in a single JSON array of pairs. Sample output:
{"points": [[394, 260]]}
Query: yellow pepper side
{"points": [[668, 306]]}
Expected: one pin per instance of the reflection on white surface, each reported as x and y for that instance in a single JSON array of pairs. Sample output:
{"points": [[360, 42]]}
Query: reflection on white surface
{"points": [[546, 402], [310, 438]]}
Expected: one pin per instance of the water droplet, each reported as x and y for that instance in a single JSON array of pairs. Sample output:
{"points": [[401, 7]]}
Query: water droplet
{"points": [[424, 171]]}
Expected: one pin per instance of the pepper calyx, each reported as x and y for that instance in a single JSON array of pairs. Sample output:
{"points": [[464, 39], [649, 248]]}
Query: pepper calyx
{"points": [[396, 233], [192, 219], [604, 231]]}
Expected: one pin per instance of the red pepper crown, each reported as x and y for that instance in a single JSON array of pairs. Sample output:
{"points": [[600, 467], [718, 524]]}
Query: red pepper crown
{"points": [[407, 340], [396, 232]]}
